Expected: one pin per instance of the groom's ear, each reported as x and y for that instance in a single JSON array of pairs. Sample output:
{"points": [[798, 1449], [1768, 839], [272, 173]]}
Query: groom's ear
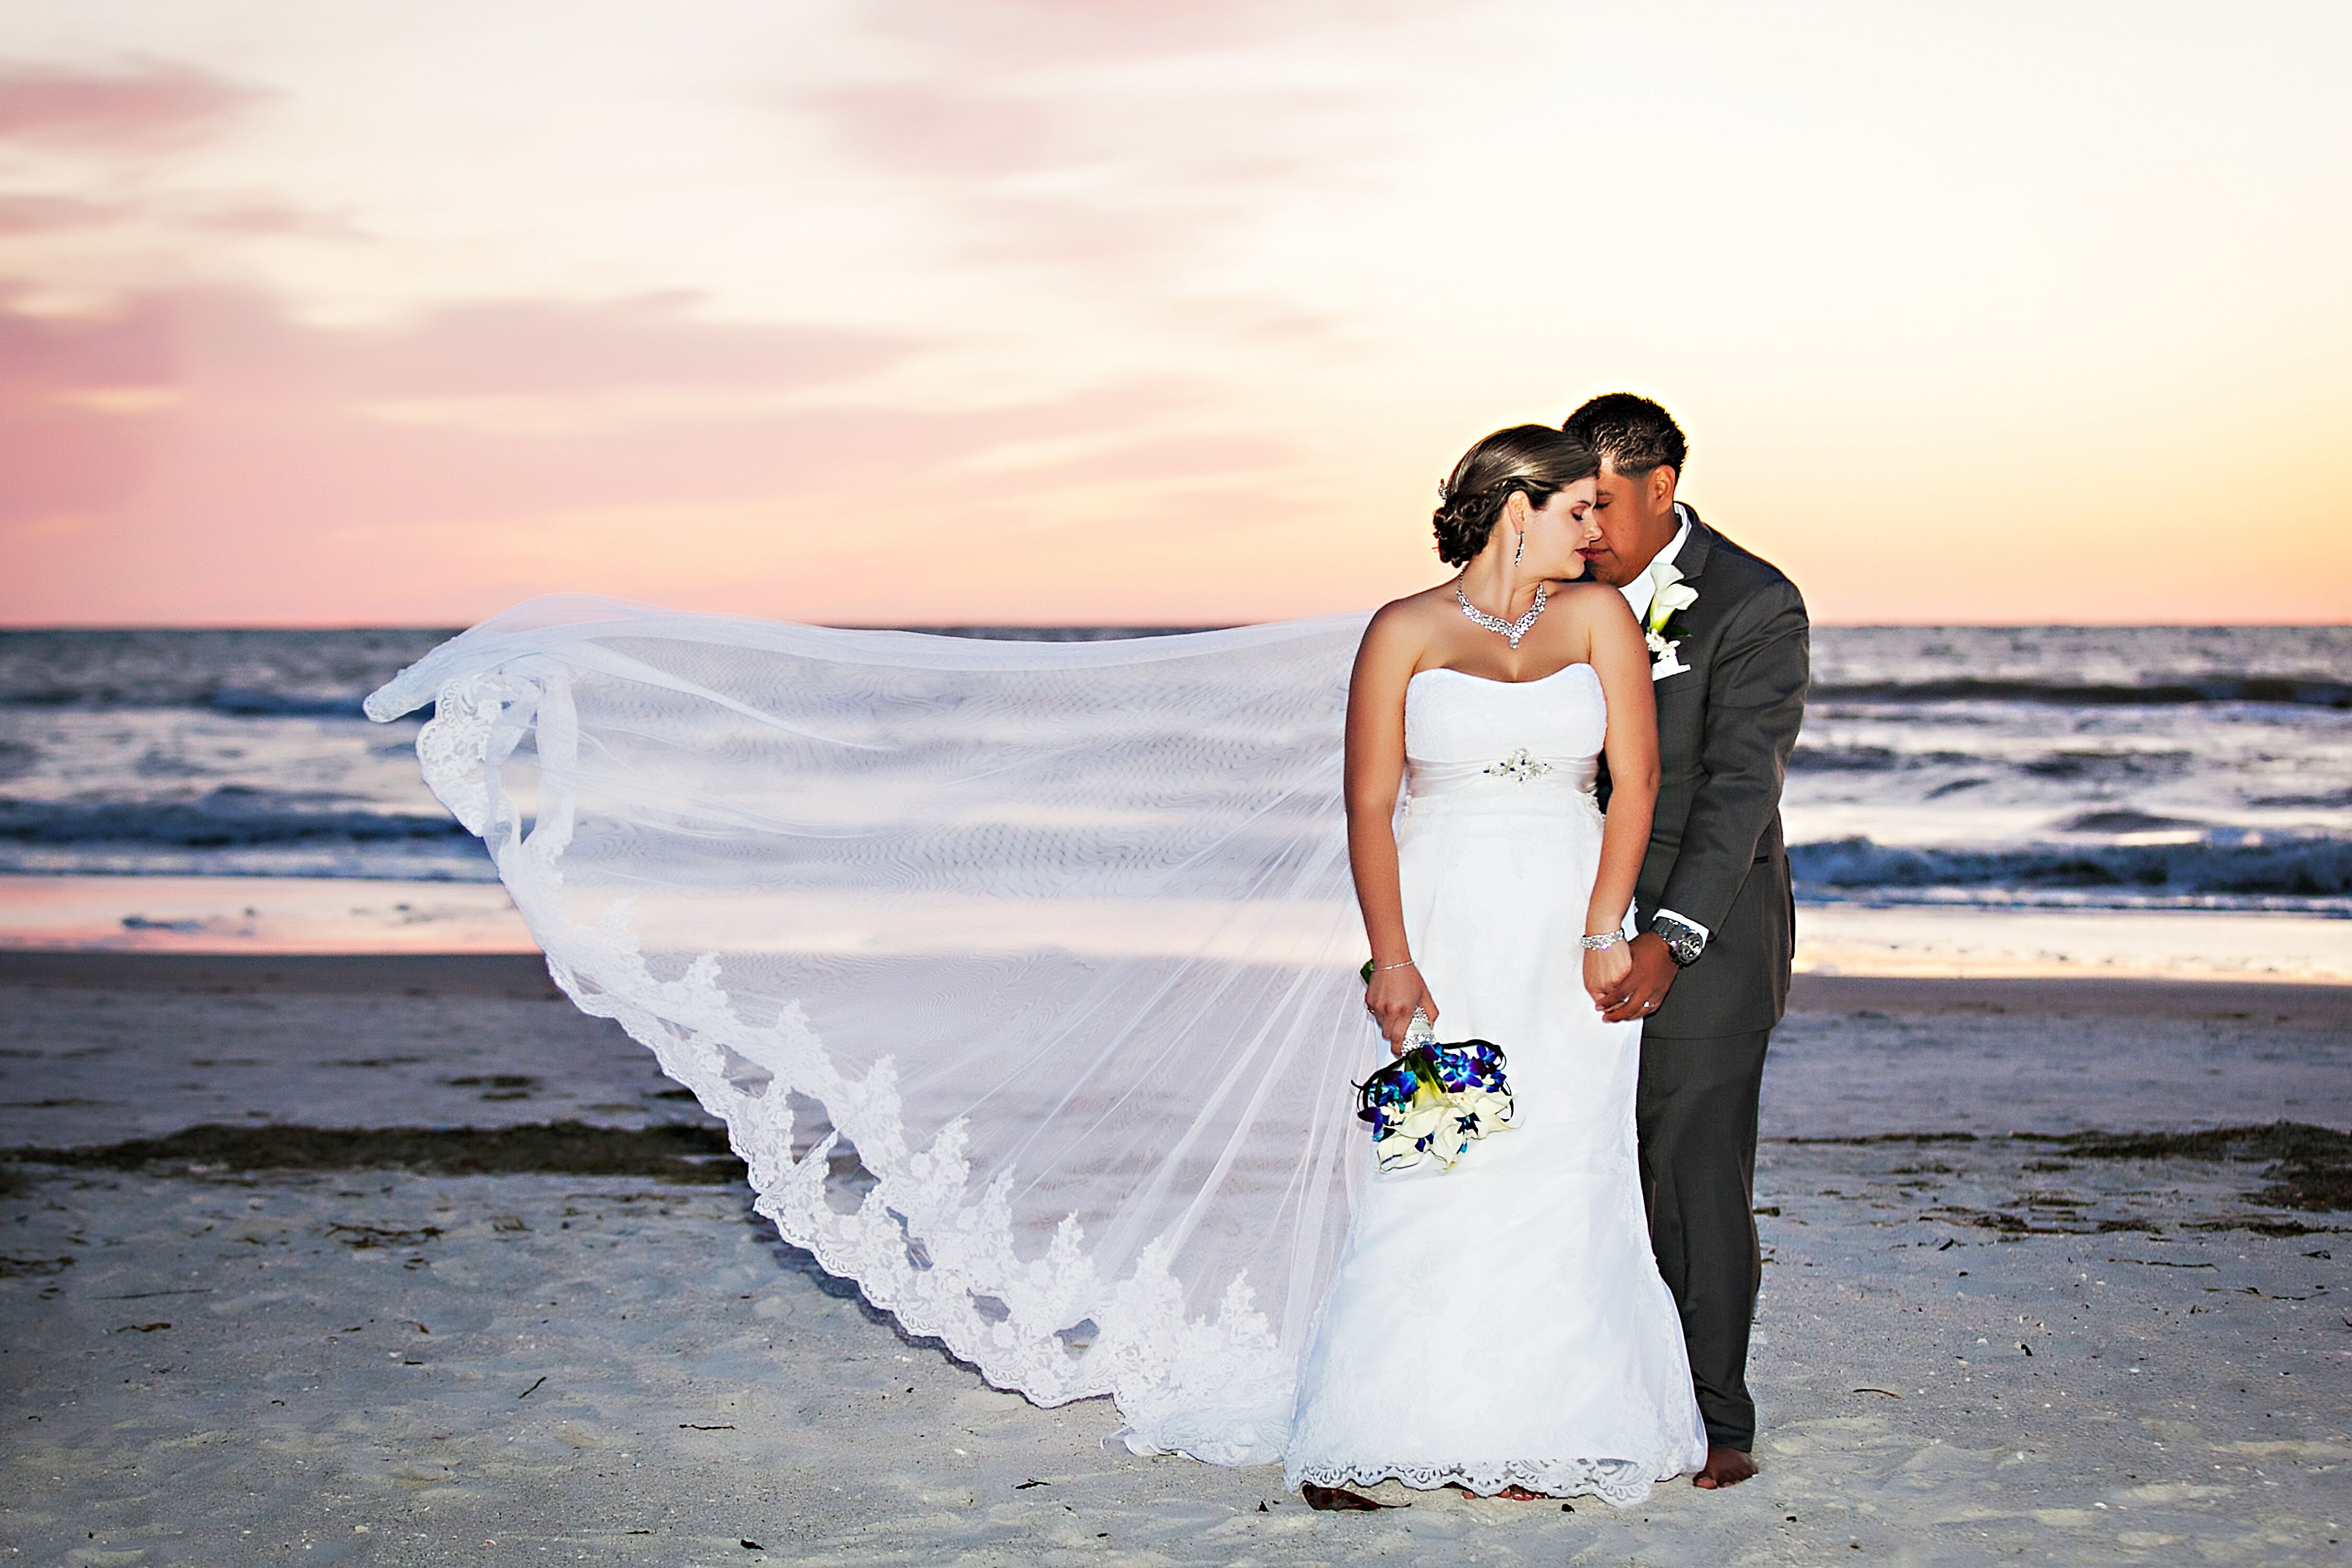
{"points": [[1662, 481]]}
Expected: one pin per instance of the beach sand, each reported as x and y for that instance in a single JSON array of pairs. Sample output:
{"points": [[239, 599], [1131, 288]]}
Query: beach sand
{"points": [[1996, 1325]]}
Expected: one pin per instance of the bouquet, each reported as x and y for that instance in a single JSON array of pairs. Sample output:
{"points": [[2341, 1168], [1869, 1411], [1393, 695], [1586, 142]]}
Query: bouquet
{"points": [[1434, 1100]]}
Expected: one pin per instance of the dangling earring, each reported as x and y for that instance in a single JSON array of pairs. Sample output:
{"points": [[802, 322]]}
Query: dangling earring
{"points": [[1522, 550]]}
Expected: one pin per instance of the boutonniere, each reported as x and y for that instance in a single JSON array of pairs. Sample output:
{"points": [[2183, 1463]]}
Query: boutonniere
{"points": [[1669, 597]]}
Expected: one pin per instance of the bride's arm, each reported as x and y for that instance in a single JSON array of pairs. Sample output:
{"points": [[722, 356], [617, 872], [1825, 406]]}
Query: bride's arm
{"points": [[1622, 662], [1384, 665]]}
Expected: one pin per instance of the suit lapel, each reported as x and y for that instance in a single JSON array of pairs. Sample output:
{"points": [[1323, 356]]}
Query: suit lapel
{"points": [[1692, 559]]}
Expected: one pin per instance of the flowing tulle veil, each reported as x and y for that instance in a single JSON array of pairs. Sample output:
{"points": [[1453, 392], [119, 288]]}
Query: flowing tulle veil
{"points": [[1023, 973]]}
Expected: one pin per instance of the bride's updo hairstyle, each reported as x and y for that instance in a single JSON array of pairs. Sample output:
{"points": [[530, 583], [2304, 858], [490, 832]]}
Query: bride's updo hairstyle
{"points": [[1535, 459]]}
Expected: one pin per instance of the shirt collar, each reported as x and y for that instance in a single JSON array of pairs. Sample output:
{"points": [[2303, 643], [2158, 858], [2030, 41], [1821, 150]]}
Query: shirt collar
{"points": [[1644, 587]]}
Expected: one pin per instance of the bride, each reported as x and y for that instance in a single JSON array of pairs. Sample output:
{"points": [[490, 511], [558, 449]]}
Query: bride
{"points": [[1502, 1326], [1024, 978]]}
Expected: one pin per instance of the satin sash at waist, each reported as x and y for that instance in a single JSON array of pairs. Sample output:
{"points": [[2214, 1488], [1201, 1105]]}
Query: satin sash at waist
{"points": [[1519, 775]]}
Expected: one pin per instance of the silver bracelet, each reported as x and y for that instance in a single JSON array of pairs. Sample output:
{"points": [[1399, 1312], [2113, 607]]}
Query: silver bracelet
{"points": [[1384, 968], [1602, 943]]}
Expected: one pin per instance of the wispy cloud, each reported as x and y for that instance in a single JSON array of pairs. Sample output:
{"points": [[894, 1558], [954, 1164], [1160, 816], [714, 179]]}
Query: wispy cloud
{"points": [[139, 107], [87, 401], [68, 455], [33, 214], [206, 444], [1115, 144]]}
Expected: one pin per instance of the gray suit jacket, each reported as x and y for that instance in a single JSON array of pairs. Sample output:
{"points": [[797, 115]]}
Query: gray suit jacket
{"points": [[1726, 727]]}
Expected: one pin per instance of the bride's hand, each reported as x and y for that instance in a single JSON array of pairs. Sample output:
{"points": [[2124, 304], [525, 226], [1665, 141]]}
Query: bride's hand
{"points": [[1604, 971], [1391, 997]]}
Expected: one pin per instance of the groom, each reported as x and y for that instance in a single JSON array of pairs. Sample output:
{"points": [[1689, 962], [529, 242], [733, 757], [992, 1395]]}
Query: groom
{"points": [[1729, 661]]}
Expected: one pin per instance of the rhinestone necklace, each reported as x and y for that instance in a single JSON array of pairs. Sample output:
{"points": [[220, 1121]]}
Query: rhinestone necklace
{"points": [[1509, 631]]}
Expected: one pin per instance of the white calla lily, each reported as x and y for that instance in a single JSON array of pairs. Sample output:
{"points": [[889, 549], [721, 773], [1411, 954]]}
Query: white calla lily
{"points": [[1670, 596]]}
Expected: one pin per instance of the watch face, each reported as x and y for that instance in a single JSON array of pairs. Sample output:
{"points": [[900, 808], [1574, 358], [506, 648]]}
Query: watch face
{"points": [[1682, 945]]}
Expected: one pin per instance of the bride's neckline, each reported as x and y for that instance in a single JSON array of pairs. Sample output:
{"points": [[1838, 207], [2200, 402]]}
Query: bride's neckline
{"points": [[1490, 680]]}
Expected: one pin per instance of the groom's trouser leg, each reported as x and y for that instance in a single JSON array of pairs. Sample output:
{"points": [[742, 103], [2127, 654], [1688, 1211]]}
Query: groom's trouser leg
{"points": [[1696, 1113]]}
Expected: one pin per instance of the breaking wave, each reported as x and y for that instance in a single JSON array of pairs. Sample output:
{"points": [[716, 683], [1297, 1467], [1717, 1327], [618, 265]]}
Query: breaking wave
{"points": [[2227, 862]]}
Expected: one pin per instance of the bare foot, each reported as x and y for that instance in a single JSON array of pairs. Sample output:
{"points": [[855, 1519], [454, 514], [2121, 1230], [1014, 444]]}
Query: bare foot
{"points": [[1508, 1494], [1724, 1467]]}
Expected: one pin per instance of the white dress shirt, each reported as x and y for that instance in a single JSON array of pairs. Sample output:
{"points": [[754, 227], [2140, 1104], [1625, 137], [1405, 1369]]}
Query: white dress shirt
{"points": [[1644, 587], [1638, 593]]}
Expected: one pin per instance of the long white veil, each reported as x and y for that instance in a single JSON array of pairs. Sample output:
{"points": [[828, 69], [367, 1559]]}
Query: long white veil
{"points": [[1021, 973]]}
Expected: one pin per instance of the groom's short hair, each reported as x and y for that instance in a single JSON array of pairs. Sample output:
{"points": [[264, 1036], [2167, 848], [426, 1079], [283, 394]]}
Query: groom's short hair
{"points": [[1629, 433]]}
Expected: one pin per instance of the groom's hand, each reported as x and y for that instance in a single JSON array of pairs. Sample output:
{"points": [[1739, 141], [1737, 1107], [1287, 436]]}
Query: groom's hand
{"points": [[1645, 983]]}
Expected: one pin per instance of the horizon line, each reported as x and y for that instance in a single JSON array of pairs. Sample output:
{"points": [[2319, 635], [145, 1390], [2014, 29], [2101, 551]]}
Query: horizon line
{"points": [[1168, 628]]}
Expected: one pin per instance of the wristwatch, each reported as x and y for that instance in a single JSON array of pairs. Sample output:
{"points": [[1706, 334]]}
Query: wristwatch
{"points": [[1683, 942]]}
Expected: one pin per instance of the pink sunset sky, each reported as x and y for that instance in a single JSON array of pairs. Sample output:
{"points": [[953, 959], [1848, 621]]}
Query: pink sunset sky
{"points": [[1107, 310]]}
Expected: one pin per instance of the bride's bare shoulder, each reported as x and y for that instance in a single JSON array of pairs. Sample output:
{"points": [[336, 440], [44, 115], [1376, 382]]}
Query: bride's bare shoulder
{"points": [[1416, 612], [1585, 597], [1403, 627]]}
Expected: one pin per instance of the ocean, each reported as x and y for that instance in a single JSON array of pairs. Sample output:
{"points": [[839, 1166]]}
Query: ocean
{"points": [[2145, 768]]}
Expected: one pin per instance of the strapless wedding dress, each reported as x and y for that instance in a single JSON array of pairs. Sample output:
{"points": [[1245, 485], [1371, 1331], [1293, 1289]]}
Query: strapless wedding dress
{"points": [[1502, 1323]]}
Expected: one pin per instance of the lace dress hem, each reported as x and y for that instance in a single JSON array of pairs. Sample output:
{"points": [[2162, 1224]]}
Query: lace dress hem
{"points": [[1621, 1483]]}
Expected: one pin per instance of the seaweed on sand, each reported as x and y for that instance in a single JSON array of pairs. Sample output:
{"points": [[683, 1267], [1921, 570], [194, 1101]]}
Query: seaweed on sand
{"points": [[2311, 1167], [687, 1155]]}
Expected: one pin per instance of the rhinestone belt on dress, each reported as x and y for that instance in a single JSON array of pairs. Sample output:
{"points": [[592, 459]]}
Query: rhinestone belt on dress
{"points": [[1519, 767]]}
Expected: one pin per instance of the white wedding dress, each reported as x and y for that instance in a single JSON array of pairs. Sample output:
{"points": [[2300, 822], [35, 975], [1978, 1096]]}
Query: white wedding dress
{"points": [[1023, 977], [1502, 1323]]}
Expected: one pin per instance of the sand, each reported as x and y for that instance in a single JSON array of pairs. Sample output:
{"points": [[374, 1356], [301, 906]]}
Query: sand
{"points": [[200, 1363]]}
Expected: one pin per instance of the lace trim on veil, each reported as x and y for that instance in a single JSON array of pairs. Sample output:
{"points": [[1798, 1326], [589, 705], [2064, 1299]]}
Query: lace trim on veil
{"points": [[1220, 1389]]}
